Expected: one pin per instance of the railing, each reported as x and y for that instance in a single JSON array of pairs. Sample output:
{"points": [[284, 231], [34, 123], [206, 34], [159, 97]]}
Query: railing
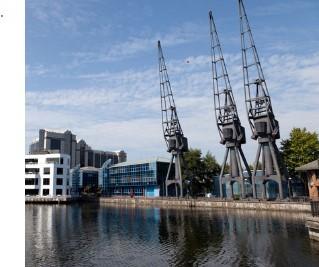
{"points": [[314, 208]]}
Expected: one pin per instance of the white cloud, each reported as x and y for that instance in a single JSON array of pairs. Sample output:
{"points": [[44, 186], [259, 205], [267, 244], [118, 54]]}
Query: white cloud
{"points": [[185, 33], [59, 14], [123, 110]]}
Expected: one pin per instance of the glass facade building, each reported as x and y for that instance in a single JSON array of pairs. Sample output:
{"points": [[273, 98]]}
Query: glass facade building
{"points": [[142, 178]]}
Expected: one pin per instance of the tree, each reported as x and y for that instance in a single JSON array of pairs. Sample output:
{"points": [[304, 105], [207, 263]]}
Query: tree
{"points": [[193, 163], [211, 166], [199, 170], [300, 148]]}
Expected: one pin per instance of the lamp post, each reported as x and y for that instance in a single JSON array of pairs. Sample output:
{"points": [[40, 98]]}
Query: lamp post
{"points": [[289, 186]]}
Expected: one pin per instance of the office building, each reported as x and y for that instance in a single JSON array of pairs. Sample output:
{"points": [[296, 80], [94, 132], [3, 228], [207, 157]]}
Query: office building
{"points": [[88, 179], [79, 152], [47, 175], [139, 178]]}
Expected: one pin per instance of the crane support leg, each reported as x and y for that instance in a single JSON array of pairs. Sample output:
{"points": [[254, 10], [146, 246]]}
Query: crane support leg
{"points": [[241, 175], [178, 174], [255, 170], [221, 174], [167, 175], [278, 173]]}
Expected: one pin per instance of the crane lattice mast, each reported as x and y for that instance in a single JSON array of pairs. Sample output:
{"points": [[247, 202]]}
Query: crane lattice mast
{"points": [[264, 126], [172, 130], [231, 132]]}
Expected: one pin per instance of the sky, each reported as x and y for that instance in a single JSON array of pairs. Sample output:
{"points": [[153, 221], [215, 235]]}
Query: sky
{"points": [[92, 68]]}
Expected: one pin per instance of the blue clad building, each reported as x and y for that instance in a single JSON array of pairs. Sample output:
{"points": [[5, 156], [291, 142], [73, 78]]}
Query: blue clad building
{"points": [[139, 178]]}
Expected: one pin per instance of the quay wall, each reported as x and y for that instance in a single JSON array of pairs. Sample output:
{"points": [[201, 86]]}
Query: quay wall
{"points": [[209, 203], [49, 200]]}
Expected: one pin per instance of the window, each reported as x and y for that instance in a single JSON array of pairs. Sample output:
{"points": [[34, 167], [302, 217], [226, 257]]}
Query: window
{"points": [[46, 181], [59, 181], [31, 192], [31, 170], [67, 182], [46, 170], [45, 192], [53, 160], [58, 191], [61, 160], [67, 191], [55, 144], [59, 170], [31, 161], [90, 158], [31, 181]]}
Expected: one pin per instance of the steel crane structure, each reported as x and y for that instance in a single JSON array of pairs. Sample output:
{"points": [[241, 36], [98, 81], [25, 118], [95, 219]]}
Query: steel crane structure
{"points": [[264, 126], [231, 132], [172, 130]]}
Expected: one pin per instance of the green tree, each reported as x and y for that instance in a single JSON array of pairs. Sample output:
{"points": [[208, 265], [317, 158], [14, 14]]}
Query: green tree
{"points": [[193, 163], [211, 166], [300, 148], [199, 170]]}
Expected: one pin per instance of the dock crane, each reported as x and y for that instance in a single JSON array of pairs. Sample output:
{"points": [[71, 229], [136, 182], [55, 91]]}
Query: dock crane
{"points": [[231, 132], [172, 130], [264, 126]]}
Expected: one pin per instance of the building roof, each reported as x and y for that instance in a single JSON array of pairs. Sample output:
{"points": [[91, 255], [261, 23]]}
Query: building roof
{"points": [[89, 168], [137, 162], [46, 154], [314, 165], [59, 131]]}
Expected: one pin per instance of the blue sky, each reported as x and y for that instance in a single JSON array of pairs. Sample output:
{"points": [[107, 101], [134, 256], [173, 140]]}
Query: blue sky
{"points": [[92, 68]]}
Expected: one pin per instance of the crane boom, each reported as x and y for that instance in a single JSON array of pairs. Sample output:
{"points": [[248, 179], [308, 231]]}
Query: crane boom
{"points": [[264, 126], [231, 132], [173, 134]]}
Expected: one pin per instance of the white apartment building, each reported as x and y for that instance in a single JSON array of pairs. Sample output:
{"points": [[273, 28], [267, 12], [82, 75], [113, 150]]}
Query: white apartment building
{"points": [[47, 175]]}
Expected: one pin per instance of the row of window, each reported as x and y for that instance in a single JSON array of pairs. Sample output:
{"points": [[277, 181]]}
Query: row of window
{"points": [[46, 181], [127, 191], [45, 192], [130, 179], [48, 160], [131, 168], [129, 174], [46, 170]]}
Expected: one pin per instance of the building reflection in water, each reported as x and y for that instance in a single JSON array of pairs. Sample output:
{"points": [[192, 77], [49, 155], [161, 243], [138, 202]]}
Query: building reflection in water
{"points": [[93, 235]]}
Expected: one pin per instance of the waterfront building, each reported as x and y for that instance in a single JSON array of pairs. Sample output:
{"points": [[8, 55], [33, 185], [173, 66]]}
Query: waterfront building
{"points": [[139, 178], [311, 170], [47, 174], [85, 179], [79, 152]]}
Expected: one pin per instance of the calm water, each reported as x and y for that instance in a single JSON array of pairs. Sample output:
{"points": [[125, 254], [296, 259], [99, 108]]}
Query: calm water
{"points": [[92, 235]]}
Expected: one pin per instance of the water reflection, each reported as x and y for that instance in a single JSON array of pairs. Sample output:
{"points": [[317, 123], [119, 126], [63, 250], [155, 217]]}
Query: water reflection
{"points": [[93, 235]]}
